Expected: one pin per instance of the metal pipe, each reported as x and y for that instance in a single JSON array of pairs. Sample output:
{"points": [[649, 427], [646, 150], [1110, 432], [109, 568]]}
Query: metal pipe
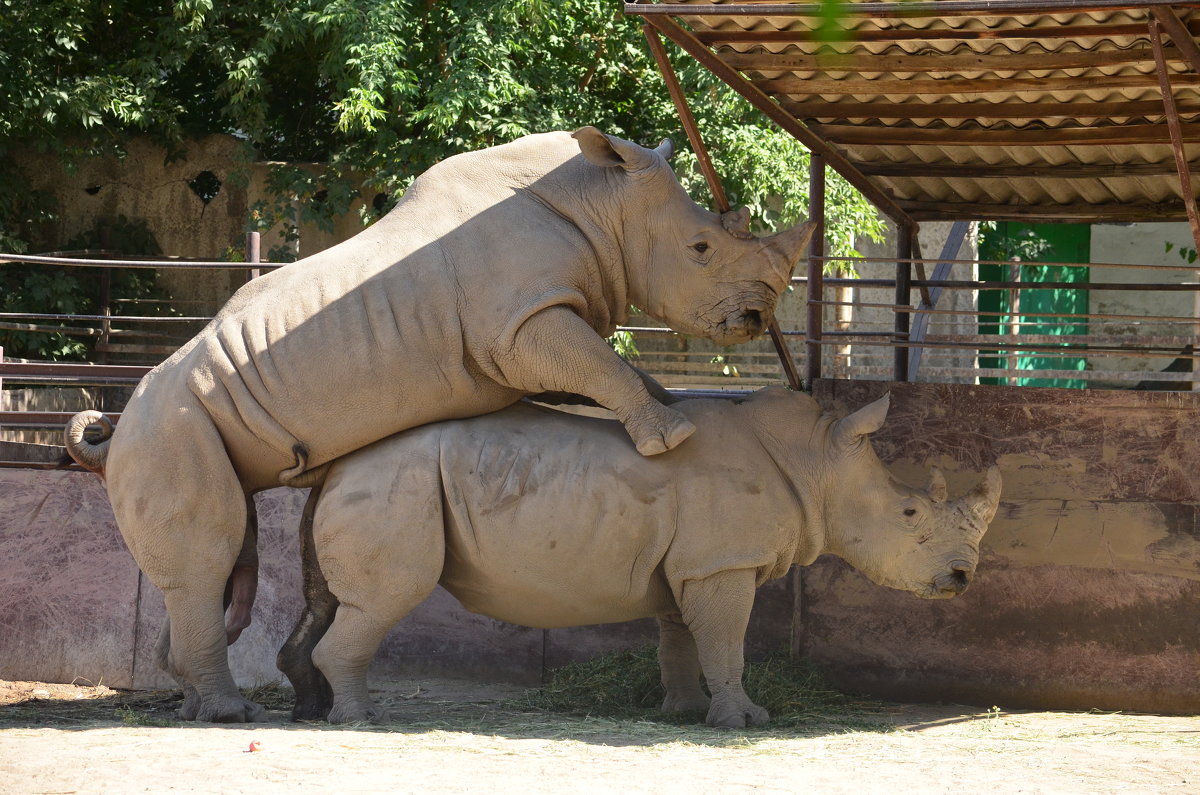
{"points": [[918, 8], [816, 254], [905, 237]]}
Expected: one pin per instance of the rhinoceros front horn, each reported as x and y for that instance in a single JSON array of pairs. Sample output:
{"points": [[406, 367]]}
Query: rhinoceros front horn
{"points": [[789, 246], [983, 501]]}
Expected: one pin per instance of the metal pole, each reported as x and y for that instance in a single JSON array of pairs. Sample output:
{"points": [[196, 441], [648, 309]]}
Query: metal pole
{"points": [[714, 183], [816, 252], [253, 254], [906, 234]]}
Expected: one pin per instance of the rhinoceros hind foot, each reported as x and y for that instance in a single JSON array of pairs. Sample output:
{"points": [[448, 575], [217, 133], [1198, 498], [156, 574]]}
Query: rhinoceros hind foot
{"points": [[736, 716], [666, 436], [695, 701], [311, 707], [358, 713], [225, 709]]}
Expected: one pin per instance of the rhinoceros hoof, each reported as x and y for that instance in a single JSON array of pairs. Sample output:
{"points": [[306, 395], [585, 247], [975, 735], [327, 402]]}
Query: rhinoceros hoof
{"points": [[693, 701], [310, 707], [224, 709], [736, 715], [358, 713], [668, 436]]}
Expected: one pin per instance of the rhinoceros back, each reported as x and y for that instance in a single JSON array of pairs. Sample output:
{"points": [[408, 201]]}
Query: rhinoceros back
{"points": [[553, 531], [376, 334]]}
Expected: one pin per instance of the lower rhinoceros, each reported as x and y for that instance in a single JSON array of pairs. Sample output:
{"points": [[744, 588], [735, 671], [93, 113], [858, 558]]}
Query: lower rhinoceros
{"points": [[544, 519], [498, 274]]}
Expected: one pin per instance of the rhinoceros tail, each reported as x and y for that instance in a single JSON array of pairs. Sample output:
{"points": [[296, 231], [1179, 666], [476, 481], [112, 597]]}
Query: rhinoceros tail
{"points": [[86, 438]]}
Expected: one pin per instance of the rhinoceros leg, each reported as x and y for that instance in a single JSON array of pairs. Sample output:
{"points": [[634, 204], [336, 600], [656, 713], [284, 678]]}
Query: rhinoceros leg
{"points": [[555, 350], [314, 698], [717, 610], [185, 528], [679, 666], [376, 579]]}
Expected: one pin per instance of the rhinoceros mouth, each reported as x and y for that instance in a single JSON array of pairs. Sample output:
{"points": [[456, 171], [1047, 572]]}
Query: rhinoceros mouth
{"points": [[954, 581], [741, 325]]}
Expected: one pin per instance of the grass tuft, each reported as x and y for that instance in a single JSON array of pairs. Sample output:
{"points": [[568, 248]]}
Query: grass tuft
{"points": [[625, 684]]}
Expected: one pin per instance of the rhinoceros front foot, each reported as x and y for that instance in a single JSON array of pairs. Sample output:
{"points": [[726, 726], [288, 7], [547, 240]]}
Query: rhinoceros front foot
{"points": [[736, 713], [220, 709], [358, 712], [658, 430]]}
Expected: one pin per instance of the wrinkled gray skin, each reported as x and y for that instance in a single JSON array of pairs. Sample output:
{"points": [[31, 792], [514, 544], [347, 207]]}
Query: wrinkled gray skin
{"points": [[550, 520], [498, 275]]}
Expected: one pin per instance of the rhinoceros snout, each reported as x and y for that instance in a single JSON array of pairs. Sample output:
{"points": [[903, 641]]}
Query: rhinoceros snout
{"points": [[954, 581], [753, 322]]}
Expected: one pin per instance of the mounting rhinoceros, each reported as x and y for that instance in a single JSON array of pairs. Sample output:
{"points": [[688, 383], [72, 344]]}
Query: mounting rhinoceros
{"points": [[550, 520], [497, 275]]}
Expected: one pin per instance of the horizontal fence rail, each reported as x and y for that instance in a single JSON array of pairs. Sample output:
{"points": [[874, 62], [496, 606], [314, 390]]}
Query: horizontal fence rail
{"points": [[858, 336]]}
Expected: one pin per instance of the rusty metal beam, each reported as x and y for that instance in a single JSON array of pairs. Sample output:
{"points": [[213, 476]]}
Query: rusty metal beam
{"points": [[686, 117], [814, 312], [714, 182], [1179, 34], [1173, 126], [785, 120], [901, 10]]}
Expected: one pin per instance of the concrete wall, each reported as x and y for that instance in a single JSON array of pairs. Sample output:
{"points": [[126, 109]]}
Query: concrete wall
{"points": [[144, 185], [1086, 597], [1088, 591], [73, 604], [1142, 244]]}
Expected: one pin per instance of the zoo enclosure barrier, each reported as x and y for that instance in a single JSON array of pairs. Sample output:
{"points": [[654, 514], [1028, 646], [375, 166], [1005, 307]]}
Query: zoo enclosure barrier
{"points": [[858, 327]]}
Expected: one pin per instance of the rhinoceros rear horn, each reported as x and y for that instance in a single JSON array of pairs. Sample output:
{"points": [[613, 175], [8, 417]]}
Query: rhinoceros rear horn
{"points": [[609, 152], [936, 489], [849, 430], [737, 223]]}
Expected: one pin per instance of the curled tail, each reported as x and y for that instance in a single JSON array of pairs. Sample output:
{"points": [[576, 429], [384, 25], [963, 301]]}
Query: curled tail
{"points": [[86, 438]]}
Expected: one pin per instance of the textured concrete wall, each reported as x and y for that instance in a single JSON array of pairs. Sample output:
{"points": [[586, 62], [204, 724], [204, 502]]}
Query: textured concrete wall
{"points": [[1087, 595], [74, 606], [143, 185], [1088, 591]]}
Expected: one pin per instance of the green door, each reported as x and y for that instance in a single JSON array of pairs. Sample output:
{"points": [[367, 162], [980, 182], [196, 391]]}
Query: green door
{"points": [[1033, 243]]}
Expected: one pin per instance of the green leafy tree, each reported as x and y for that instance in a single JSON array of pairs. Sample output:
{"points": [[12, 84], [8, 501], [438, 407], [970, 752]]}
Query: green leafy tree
{"points": [[376, 90]]}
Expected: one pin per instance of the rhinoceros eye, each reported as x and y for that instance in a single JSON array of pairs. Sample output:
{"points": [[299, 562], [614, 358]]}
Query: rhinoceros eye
{"points": [[910, 511], [700, 247]]}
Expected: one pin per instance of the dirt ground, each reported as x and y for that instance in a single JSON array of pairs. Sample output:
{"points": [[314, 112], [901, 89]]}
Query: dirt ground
{"points": [[451, 737]]}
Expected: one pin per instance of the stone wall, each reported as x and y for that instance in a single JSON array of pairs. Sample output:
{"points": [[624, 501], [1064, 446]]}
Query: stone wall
{"points": [[1086, 596]]}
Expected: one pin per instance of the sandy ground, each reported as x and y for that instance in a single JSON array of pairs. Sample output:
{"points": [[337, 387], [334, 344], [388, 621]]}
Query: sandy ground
{"points": [[451, 737]]}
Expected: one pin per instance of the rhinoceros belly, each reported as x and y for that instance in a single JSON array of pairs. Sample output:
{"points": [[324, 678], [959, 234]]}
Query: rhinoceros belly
{"points": [[554, 521]]}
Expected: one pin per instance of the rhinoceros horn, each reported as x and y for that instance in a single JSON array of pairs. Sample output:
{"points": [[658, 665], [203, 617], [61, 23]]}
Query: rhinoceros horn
{"points": [[981, 503], [937, 485], [789, 244]]}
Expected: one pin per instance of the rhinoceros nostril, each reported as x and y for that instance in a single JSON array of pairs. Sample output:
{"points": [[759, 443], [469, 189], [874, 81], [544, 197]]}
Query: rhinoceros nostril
{"points": [[754, 321], [961, 578]]}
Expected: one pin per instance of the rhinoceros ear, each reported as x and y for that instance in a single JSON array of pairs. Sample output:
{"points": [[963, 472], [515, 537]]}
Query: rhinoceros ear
{"points": [[609, 152], [665, 148], [849, 430]]}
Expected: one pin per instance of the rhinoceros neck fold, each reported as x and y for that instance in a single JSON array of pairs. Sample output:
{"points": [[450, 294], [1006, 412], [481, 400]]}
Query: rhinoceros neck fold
{"points": [[608, 278], [800, 470]]}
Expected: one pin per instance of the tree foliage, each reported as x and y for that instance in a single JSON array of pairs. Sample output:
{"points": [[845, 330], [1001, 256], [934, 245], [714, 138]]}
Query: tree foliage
{"points": [[381, 88]]}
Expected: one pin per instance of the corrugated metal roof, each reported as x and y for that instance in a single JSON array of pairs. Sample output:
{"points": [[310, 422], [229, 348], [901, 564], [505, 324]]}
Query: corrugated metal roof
{"points": [[1004, 109]]}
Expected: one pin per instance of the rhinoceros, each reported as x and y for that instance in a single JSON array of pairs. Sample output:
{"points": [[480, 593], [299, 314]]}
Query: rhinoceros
{"points": [[544, 519], [497, 275]]}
